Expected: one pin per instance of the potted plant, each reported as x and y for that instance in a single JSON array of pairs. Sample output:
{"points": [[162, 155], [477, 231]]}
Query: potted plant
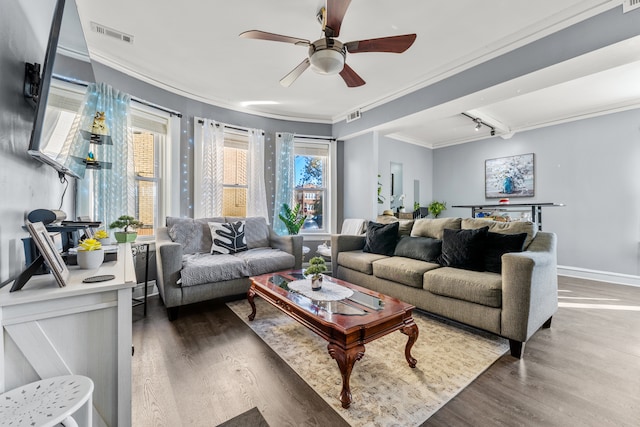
{"points": [[127, 224], [292, 218], [102, 236], [436, 208], [316, 267], [90, 254], [416, 206]]}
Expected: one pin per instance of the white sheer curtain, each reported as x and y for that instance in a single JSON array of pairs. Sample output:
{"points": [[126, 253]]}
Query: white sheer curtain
{"points": [[285, 179], [208, 168], [256, 191]]}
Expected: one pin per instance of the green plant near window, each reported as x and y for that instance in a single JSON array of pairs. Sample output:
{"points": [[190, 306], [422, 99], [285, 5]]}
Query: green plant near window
{"points": [[436, 208], [128, 224], [380, 196], [292, 218], [416, 206]]}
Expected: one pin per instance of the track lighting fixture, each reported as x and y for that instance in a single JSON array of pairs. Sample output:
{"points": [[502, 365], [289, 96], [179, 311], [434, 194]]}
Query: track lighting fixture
{"points": [[479, 123]]}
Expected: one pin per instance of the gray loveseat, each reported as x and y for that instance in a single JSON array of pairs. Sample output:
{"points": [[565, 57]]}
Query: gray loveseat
{"points": [[189, 273], [513, 304]]}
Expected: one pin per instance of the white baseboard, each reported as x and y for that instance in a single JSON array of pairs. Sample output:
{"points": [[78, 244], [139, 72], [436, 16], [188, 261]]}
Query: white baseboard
{"points": [[601, 276]]}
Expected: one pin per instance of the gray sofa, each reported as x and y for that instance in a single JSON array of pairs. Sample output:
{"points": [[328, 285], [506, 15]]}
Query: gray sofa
{"points": [[513, 304], [189, 273]]}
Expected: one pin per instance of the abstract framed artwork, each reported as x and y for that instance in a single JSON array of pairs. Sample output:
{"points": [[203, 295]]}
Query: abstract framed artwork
{"points": [[511, 176]]}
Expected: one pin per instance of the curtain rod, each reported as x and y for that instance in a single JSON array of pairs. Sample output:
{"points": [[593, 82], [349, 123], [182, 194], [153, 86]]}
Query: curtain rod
{"points": [[238, 128], [318, 138], [139, 101]]}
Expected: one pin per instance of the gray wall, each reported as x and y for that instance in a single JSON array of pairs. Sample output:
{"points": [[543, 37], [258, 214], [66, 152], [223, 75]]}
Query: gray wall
{"points": [[417, 164], [590, 165], [25, 184], [359, 177]]}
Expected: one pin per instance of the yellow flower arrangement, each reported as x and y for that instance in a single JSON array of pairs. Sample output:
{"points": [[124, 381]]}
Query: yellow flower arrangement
{"points": [[101, 234], [89, 245]]}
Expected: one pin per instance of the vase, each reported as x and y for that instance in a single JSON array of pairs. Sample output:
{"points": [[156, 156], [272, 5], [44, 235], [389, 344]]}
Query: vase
{"points": [[316, 283], [508, 185], [105, 241], [122, 237], [90, 260]]}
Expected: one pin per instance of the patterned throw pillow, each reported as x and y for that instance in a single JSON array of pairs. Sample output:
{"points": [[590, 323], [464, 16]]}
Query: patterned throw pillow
{"points": [[227, 237]]}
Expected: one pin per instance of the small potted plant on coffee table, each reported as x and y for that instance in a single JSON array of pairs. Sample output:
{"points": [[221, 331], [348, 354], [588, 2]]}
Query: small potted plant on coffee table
{"points": [[316, 267], [128, 224]]}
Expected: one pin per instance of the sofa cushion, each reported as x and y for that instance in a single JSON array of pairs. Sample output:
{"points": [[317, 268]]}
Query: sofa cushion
{"points": [[404, 225], [478, 287], [228, 237], [463, 248], [359, 261], [420, 248], [513, 227], [403, 270], [427, 227], [266, 260], [256, 231], [381, 238], [201, 230], [198, 269], [498, 244]]}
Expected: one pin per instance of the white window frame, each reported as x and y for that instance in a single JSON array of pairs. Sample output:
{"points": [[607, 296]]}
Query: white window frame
{"points": [[330, 209], [240, 140]]}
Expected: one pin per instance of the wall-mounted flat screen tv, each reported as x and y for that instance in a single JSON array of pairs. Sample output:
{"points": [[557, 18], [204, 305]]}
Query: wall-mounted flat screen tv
{"points": [[52, 123]]}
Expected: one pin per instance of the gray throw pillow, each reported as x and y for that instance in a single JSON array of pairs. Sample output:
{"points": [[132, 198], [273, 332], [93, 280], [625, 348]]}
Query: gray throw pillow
{"points": [[421, 248], [186, 233]]}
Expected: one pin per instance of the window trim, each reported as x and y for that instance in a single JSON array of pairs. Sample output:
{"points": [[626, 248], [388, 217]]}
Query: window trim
{"points": [[330, 211]]}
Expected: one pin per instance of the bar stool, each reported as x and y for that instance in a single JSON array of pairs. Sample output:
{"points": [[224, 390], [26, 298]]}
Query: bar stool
{"points": [[48, 402]]}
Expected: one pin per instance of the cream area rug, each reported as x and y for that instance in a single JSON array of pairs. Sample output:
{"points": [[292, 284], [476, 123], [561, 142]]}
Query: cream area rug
{"points": [[385, 390]]}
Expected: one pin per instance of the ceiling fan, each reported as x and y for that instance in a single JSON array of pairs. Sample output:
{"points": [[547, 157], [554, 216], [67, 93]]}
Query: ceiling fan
{"points": [[327, 55]]}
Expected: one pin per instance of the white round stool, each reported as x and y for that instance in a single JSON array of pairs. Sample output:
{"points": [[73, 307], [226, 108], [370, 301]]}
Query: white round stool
{"points": [[47, 402]]}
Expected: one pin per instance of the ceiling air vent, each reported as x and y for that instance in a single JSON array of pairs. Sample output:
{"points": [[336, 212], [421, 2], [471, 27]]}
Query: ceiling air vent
{"points": [[629, 5], [110, 32], [355, 115]]}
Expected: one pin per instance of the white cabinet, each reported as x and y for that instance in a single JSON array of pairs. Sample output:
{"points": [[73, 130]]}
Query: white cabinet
{"points": [[80, 329]]}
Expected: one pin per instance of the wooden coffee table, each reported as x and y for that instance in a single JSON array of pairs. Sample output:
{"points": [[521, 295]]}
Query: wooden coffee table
{"points": [[347, 324]]}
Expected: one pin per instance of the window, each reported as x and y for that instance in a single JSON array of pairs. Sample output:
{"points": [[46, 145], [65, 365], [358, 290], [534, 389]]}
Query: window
{"points": [[234, 196], [312, 175], [146, 169]]}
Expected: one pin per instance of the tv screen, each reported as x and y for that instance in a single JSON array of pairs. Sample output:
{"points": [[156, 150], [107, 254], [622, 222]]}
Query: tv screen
{"points": [[53, 119]]}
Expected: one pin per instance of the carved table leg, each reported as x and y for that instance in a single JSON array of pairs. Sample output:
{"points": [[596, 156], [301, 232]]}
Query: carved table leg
{"points": [[346, 360], [250, 294], [411, 330]]}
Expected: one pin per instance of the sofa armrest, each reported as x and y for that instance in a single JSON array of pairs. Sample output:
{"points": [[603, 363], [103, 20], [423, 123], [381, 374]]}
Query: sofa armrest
{"points": [[344, 243], [169, 265], [289, 244], [529, 288]]}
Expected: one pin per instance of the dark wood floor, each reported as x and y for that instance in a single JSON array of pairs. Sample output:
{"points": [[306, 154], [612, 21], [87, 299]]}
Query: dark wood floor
{"points": [[208, 366]]}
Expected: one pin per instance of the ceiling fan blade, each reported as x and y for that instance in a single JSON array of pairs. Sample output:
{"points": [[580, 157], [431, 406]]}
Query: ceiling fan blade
{"points": [[263, 35], [335, 14], [287, 80], [350, 77], [392, 44]]}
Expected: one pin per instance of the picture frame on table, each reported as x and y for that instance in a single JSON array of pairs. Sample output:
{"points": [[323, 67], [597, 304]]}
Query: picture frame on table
{"points": [[48, 251]]}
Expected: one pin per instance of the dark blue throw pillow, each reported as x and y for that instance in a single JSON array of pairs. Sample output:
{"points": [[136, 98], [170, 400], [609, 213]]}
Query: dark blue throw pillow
{"points": [[498, 244], [381, 238], [463, 248], [421, 248]]}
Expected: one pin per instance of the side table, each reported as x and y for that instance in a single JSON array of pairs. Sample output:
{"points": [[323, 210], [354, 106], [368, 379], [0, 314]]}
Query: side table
{"points": [[142, 300]]}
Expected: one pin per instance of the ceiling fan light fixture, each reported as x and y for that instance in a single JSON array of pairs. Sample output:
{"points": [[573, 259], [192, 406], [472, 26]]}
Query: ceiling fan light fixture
{"points": [[327, 61]]}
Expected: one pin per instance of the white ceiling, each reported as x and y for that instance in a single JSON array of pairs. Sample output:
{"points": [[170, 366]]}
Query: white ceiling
{"points": [[192, 48]]}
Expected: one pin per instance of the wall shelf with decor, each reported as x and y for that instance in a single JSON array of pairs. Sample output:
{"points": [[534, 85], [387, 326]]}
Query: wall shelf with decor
{"points": [[534, 208]]}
